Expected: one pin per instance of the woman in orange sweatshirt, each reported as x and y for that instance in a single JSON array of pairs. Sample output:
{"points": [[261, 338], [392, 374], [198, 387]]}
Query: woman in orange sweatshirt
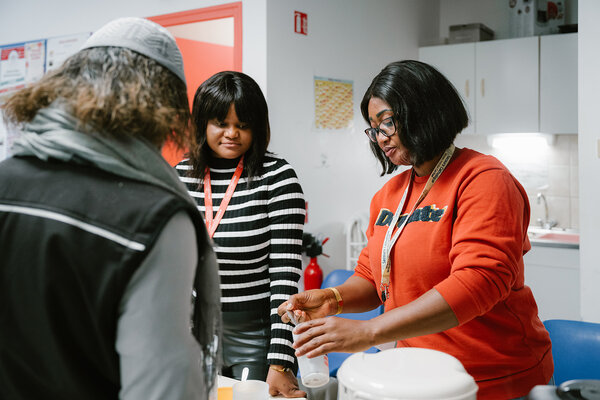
{"points": [[445, 248]]}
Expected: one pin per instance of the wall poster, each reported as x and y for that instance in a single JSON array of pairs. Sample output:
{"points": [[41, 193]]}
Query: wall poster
{"points": [[334, 105], [20, 65], [24, 63], [12, 67]]}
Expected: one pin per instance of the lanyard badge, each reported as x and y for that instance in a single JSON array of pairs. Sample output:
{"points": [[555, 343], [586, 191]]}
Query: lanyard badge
{"points": [[389, 240], [385, 287]]}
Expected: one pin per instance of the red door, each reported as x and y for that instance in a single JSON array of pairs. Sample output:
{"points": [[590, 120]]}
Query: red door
{"points": [[210, 40]]}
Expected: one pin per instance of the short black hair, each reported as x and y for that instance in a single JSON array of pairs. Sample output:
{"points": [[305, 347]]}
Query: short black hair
{"points": [[428, 111], [213, 100]]}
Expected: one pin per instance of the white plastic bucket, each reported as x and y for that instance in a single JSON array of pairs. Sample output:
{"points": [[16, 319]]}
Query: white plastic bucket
{"points": [[405, 374]]}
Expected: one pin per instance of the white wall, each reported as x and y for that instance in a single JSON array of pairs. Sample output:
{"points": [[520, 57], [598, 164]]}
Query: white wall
{"points": [[348, 39], [25, 20], [33, 19], [589, 162], [555, 168], [492, 13], [351, 40]]}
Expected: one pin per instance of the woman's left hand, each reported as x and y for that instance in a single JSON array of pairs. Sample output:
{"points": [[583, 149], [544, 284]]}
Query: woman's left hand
{"points": [[333, 334], [283, 383]]}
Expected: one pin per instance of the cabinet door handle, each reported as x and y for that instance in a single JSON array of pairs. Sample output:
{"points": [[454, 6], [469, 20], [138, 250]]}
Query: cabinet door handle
{"points": [[482, 87], [467, 88]]}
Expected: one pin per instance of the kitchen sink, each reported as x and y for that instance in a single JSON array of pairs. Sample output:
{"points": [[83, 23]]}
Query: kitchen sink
{"points": [[553, 237]]}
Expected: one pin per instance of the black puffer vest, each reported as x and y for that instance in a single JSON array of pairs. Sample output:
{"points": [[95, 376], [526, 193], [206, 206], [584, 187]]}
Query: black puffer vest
{"points": [[70, 239]]}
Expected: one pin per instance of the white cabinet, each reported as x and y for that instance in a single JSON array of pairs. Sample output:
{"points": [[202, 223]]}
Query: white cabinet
{"points": [[513, 85], [457, 63], [558, 83], [552, 273], [506, 72]]}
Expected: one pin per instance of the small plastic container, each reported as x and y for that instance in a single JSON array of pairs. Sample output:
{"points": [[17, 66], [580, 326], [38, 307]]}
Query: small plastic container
{"points": [[250, 390], [314, 372]]}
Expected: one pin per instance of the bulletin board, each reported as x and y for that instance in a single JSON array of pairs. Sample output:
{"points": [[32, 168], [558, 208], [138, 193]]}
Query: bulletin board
{"points": [[22, 64]]}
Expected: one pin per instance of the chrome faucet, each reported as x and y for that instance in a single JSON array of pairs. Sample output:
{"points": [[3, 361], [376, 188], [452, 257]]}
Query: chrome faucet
{"points": [[545, 223]]}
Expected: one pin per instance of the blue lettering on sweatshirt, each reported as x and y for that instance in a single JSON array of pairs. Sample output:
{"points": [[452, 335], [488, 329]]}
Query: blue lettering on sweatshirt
{"points": [[424, 214]]}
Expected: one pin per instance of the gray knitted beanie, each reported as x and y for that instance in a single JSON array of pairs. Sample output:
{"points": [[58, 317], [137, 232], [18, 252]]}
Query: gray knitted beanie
{"points": [[142, 36]]}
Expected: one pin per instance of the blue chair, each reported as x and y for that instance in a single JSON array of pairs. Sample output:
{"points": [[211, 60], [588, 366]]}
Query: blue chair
{"points": [[575, 349], [335, 278]]}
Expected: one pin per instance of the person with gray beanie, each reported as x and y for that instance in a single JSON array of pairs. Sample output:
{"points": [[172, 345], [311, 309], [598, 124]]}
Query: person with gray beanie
{"points": [[109, 287]]}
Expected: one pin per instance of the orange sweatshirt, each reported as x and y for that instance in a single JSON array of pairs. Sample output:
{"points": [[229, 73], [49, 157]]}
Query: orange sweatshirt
{"points": [[467, 239]]}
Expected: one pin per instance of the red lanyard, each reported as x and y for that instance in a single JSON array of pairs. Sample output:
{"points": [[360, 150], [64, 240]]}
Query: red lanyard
{"points": [[211, 224]]}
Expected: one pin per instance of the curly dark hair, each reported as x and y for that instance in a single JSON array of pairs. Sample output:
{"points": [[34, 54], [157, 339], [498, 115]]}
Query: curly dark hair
{"points": [[114, 91], [428, 111], [212, 100]]}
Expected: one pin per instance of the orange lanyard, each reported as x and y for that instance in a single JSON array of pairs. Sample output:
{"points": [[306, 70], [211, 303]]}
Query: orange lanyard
{"points": [[212, 223]]}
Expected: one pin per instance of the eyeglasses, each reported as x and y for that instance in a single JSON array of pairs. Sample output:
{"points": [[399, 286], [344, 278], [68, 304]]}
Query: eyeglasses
{"points": [[387, 128]]}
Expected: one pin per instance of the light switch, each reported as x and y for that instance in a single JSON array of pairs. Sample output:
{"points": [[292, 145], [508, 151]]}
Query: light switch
{"points": [[598, 148]]}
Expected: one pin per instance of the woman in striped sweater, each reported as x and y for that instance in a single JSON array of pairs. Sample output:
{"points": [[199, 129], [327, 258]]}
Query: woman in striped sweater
{"points": [[254, 211]]}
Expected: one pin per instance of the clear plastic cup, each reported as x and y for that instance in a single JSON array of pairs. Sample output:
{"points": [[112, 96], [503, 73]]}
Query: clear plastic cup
{"points": [[250, 390], [314, 372]]}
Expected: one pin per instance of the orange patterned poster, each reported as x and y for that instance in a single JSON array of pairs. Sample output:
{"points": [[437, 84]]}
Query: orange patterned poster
{"points": [[334, 106]]}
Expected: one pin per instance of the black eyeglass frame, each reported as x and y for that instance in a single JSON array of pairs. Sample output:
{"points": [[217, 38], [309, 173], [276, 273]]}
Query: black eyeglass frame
{"points": [[372, 132]]}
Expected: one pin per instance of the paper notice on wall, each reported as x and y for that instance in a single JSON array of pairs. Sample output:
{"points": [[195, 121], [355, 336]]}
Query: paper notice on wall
{"points": [[21, 64], [8, 134], [13, 67], [35, 60], [3, 139], [60, 48], [334, 105]]}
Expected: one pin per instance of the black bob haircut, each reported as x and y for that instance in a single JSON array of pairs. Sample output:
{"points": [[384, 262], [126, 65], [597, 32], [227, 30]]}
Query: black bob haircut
{"points": [[212, 101], [428, 111]]}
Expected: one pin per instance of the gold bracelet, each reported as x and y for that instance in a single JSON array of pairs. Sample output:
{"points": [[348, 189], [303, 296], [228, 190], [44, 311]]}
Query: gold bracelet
{"points": [[338, 297], [283, 370]]}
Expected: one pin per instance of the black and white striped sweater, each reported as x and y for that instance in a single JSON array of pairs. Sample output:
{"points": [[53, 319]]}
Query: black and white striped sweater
{"points": [[258, 243]]}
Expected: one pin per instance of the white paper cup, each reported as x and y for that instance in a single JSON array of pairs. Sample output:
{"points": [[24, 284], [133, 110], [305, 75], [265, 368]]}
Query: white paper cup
{"points": [[250, 390], [314, 372]]}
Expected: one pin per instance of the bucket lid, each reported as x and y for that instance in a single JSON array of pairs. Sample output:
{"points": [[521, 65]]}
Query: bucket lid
{"points": [[407, 373]]}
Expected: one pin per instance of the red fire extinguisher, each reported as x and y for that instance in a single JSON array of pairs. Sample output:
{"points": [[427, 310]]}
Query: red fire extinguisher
{"points": [[313, 275]]}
